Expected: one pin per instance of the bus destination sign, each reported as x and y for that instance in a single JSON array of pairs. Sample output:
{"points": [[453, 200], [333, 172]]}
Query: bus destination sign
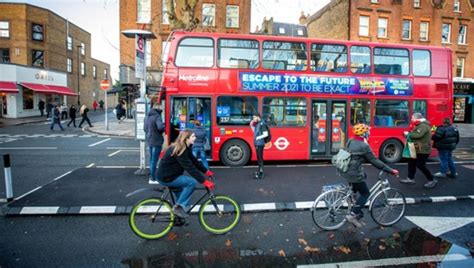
{"points": [[303, 83]]}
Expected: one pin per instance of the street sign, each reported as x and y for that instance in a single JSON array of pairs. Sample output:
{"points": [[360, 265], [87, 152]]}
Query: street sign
{"points": [[139, 56], [104, 84]]}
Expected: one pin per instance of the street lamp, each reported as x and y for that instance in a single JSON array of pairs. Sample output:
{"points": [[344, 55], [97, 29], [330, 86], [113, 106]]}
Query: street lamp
{"points": [[140, 104]]}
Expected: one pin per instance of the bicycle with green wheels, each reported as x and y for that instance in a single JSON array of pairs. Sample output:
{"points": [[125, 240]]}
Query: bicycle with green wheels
{"points": [[386, 204], [153, 217]]}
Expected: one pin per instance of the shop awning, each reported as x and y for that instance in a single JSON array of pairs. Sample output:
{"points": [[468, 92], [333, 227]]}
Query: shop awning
{"points": [[49, 89], [8, 87]]}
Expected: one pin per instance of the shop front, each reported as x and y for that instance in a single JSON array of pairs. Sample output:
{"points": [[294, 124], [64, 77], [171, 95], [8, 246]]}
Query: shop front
{"points": [[22, 89], [463, 97]]}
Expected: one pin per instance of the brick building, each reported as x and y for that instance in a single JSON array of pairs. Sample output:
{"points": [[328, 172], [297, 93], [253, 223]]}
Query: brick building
{"points": [[447, 23], [228, 16], [44, 57]]}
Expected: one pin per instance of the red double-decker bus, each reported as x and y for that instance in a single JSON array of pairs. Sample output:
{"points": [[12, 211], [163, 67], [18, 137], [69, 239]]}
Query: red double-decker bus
{"points": [[310, 91]]}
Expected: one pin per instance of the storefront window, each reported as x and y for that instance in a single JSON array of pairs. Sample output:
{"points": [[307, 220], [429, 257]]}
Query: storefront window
{"points": [[28, 102]]}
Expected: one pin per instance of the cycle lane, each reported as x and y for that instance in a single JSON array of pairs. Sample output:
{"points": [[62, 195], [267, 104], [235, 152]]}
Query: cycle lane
{"points": [[99, 190]]}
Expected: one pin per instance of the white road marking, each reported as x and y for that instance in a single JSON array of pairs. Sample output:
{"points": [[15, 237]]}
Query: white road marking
{"points": [[122, 148], [114, 153], [39, 187], [91, 165], [67, 173], [437, 226], [99, 142], [28, 148], [304, 205], [39, 210], [259, 206], [437, 199], [393, 261], [97, 209]]}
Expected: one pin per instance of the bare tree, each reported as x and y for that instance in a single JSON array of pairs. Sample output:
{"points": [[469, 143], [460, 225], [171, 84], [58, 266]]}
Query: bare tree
{"points": [[183, 19]]}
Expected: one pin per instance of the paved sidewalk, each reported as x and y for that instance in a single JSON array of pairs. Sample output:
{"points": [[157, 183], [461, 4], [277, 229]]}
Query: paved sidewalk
{"points": [[7, 122], [126, 128]]}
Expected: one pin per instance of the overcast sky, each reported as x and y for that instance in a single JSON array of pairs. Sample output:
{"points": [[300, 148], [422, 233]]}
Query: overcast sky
{"points": [[101, 19]]}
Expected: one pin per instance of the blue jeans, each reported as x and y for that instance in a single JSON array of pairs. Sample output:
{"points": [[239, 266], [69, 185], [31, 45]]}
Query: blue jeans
{"points": [[199, 153], [187, 184], [54, 122], [154, 155], [445, 161]]}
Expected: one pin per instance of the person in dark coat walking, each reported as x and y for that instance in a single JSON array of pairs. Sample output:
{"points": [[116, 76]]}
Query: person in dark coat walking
{"points": [[260, 132], [72, 115], [355, 175], [201, 139], [56, 118], [445, 139], [41, 107], [154, 129], [83, 111], [49, 109], [177, 159]]}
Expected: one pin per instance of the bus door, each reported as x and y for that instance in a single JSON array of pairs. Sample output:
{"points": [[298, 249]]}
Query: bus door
{"points": [[328, 127], [184, 110]]}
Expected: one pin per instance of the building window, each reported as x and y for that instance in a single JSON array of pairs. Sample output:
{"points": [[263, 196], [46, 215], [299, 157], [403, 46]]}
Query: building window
{"points": [[144, 11], [94, 71], [208, 15], [4, 29], [382, 27], [460, 67], [416, 3], [83, 49], [148, 53], [37, 58], [446, 33], [281, 30], [106, 74], [406, 32], [164, 10], [364, 25], [69, 65], [300, 32], [37, 32], [28, 99], [4, 55], [83, 69], [374, 1], [69, 42], [232, 17], [462, 34], [424, 31], [457, 6]]}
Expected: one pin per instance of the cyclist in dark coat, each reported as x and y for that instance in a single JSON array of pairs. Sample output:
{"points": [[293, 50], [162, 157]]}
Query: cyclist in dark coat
{"points": [[177, 159], [446, 138], [355, 175]]}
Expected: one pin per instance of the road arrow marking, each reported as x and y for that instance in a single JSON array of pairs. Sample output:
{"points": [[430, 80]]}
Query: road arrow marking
{"points": [[437, 226]]}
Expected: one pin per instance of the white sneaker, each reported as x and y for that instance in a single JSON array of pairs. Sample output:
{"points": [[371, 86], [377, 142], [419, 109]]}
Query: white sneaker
{"points": [[407, 181], [353, 219], [431, 184], [151, 181], [440, 175]]}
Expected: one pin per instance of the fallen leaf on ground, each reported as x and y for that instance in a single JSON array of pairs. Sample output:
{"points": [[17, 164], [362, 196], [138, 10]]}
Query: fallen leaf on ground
{"points": [[344, 249], [311, 249], [396, 235], [331, 236], [282, 253], [228, 243], [302, 241], [172, 236], [382, 247]]}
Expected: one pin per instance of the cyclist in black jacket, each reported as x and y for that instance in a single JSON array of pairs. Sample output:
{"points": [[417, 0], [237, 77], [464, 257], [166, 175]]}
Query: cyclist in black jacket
{"points": [[177, 159], [446, 138]]}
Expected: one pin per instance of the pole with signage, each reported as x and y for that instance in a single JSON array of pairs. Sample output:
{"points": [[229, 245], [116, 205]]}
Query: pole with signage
{"points": [[105, 85], [140, 103]]}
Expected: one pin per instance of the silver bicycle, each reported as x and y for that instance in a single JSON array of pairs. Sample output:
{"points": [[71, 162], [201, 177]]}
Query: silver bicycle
{"points": [[386, 204]]}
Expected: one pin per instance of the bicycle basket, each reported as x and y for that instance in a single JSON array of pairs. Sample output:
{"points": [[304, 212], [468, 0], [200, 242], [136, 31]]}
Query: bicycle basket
{"points": [[330, 187]]}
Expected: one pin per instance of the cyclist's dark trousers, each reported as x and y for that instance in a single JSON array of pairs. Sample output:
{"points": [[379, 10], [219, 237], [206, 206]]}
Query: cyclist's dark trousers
{"points": [[364, 193], [259, 150], [420, 163]]}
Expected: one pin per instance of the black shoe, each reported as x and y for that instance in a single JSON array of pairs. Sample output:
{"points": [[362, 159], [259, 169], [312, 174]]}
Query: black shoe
{"points": [[179, 211]]}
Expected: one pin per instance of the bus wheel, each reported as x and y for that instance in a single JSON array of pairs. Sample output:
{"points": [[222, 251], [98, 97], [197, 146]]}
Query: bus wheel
{"points": [[391, 151], [235, 153]]}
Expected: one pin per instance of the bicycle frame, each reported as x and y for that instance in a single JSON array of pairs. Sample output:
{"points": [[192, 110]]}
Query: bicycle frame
{"points": [[208, 194]]}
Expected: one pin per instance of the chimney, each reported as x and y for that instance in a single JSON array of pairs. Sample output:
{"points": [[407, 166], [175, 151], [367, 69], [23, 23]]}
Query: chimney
{"points": [[257, 29], [303, 18]]}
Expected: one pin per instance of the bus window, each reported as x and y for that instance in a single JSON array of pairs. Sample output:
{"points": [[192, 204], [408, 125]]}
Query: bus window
{"points": [[195, 52], [284, 56], [328, 58], [391, 113], [391, 61], [420, 106], [360, 111], [235, 53], [360, 60], [421, 62], [234, 110], [284, 111]]}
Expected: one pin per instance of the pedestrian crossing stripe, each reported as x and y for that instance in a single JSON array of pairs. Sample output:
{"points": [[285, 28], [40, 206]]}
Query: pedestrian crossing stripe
{"points": [[437, 226]]}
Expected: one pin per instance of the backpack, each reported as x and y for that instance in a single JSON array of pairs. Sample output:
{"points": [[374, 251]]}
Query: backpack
{"points": [[268, 138], [342, 159]]}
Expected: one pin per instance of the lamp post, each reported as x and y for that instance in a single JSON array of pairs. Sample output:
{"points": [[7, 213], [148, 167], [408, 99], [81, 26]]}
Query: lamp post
{"points": [[140, 72], [78, 75]]}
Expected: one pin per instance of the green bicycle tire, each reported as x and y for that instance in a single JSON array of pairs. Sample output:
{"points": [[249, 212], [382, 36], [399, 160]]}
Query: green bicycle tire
{"points": [[167, 216], [208, 208]]}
